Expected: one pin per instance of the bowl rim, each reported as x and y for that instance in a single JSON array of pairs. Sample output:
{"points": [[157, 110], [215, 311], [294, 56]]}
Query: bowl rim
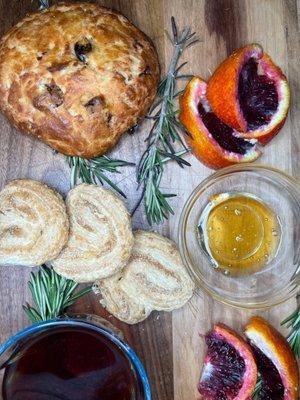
{"points": [[80, 322], [200, 284]]}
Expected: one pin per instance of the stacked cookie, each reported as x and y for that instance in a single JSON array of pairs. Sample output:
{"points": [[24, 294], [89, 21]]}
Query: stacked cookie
{"points": [[153, 279], [89, 239]]}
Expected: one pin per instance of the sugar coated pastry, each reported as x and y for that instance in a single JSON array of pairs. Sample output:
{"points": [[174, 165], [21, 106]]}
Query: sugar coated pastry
{"points": [[101, 237], [34, 225], [123, 306], [153, 279]]}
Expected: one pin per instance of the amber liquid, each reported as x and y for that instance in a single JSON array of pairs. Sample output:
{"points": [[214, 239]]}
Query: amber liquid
{"points": [[240, 233], [71, 364]]}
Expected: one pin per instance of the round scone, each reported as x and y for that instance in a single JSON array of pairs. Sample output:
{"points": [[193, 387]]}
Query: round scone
{"points": [[77, 76], [34, 225], [153, 279], [101, 238]]}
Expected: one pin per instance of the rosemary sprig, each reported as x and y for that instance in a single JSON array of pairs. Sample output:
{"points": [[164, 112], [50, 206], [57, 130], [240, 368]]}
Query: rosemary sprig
{"points": [[165, 132], [257, 390], [292, 322], [93, 171], [51, 294]]}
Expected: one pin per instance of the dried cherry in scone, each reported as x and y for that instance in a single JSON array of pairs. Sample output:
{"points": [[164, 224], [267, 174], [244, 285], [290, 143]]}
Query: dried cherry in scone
{"points": [[82, 48]]}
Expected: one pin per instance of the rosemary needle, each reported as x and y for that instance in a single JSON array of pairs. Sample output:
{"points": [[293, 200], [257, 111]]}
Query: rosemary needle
{"points": [[257, 390], [51, 294], [293, 323], [164, 134], [94, 170]]}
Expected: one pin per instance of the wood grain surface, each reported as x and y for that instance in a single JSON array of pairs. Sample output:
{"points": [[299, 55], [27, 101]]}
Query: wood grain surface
{"points": [[168, 344]]}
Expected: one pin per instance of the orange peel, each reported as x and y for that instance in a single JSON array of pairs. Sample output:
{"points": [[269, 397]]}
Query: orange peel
{"points": [[250, 93], [212, 147]]}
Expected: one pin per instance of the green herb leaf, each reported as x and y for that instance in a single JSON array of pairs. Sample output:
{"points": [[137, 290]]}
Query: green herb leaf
{"points": [[164, 135], [257, 389], [51, 294], [293, 323], [93, 171]]}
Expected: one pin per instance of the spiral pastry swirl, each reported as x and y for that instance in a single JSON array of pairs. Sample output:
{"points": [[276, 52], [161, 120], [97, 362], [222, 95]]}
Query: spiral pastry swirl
{"points": [[153, 279], [34, 225], [101, 238], [119, 303]]}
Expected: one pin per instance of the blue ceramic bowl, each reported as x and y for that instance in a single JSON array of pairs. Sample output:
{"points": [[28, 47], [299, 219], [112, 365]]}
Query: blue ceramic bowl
{"points": [[10, 348]]}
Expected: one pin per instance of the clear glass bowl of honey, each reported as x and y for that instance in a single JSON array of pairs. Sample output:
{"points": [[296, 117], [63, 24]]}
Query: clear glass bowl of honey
{"points": [[239, 236]]}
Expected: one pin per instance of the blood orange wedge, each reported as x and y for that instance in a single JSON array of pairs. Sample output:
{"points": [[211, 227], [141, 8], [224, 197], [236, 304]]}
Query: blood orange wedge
{"points": [[213, 142], [229, 372], [275, 360], [250, 93]]}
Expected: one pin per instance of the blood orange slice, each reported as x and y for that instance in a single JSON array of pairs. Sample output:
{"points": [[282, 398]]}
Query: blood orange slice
{"points": [[229, 372], [213, 142], [275, 360], [250, 93]]}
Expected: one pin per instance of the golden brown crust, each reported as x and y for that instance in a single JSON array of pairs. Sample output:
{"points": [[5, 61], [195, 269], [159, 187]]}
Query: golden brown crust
{"points": [[276, 348], [34, 226], [79, 106]]}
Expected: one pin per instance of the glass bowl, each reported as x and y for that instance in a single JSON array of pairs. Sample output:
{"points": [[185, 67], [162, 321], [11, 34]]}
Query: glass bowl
{"points": [[279, 279]]}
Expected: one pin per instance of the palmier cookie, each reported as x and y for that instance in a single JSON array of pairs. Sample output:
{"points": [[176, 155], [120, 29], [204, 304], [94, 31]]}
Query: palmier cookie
{"points": [[123, 306], [34, 225], [153, 279], [101, 238]]}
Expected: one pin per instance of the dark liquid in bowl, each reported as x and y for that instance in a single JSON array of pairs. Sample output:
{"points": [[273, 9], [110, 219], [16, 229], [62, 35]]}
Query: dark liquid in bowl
{"points": [[71, 364]]}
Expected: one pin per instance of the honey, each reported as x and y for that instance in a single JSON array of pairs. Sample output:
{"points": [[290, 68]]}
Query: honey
{"points": [[239, 233]]}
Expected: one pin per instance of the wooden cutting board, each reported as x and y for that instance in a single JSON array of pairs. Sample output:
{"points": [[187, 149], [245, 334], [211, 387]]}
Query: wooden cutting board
{"points": [[168, 344]]}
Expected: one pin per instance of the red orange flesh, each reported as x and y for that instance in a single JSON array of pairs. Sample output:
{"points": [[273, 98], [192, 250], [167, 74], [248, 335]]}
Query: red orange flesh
{"points": [[222, 92], [211, 371], [203, 145], [276, 348]]}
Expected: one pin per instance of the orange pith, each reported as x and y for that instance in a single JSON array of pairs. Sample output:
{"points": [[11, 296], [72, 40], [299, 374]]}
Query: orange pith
{"points": [[276, 348], [222, 92], [204, 146]]}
